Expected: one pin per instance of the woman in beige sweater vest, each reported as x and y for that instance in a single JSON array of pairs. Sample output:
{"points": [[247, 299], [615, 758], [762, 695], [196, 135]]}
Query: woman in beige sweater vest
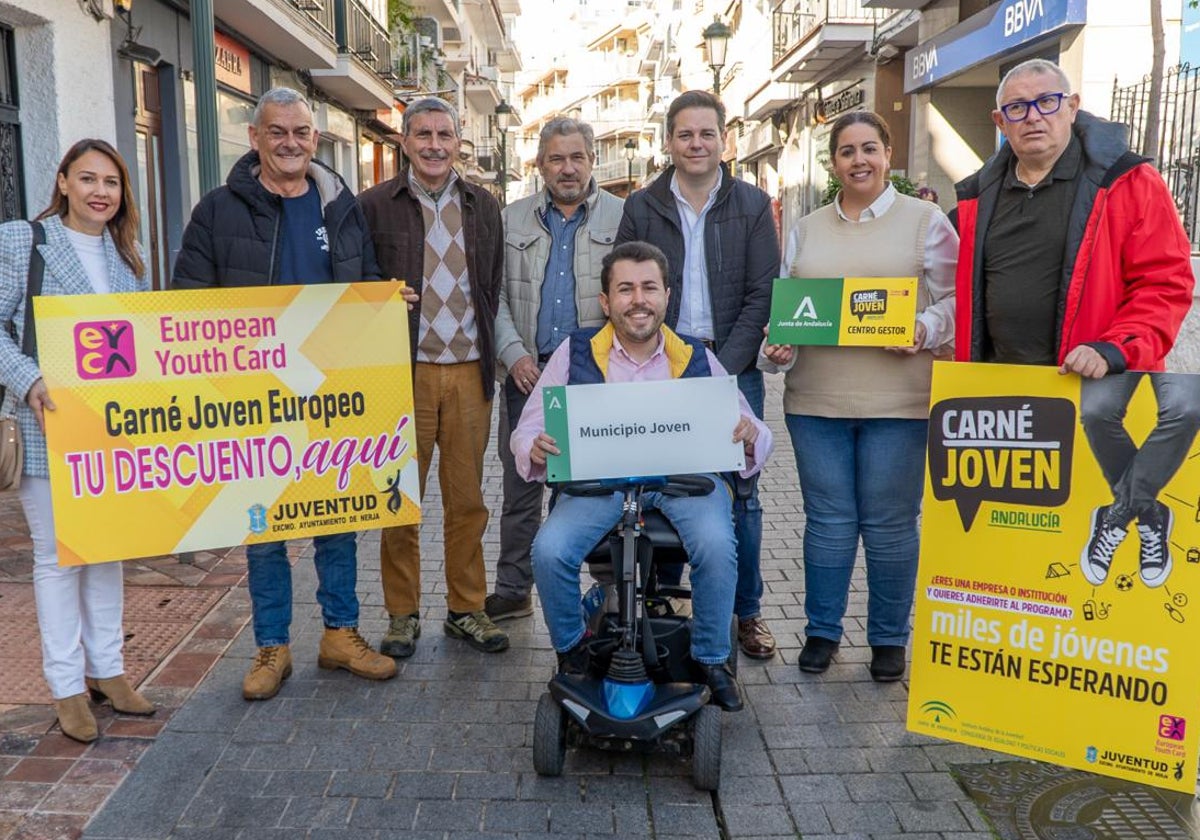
{"points": [[857, 415]]}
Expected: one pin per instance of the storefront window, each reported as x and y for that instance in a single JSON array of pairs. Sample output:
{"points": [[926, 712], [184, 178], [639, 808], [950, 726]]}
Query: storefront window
{"points": [[327, 151], [233, 140], [366, 163], [336, 148], [284, 78], [389, 162], [191, 141], [233, 120]]}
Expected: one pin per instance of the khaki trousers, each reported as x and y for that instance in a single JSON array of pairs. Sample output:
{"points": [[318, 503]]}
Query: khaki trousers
{"points": [[450, 413]]}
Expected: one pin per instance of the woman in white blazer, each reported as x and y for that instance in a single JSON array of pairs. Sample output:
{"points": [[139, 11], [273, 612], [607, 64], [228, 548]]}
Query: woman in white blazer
{"points": [[91, 227]]}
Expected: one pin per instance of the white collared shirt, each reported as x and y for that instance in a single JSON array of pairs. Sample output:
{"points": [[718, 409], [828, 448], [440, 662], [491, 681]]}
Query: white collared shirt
{"points": [[695, 303], [941, 260]]}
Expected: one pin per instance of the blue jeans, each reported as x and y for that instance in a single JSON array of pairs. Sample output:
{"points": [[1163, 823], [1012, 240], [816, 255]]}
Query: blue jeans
{"points": [[860, 478], [747, 523], [1137, 474], [578, 523], [270, 578], [747, 519]]}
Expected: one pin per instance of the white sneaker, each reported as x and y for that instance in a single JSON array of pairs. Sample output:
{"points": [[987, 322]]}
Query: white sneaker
{"points": [[1097, 556]]}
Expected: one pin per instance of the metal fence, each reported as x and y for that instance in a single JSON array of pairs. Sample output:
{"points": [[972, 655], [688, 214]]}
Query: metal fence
{"points": [[320, 12], [1178, 152], [792, 21], [366, 39]]}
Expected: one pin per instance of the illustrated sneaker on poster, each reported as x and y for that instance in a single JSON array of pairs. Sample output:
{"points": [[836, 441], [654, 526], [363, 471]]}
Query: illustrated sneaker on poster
{"points": [[1097, 556], [1154, 531]]}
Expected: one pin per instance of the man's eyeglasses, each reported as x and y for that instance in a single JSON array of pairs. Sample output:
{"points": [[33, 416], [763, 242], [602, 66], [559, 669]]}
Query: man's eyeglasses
{"points": [[1046, 104]]}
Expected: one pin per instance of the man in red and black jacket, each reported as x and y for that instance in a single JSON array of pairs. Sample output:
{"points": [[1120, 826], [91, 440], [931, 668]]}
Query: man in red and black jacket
{"points": [[1072, 254]]}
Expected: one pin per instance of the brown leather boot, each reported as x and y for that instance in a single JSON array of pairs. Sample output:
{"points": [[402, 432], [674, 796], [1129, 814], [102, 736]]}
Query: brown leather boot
{"points": [[75, 718], [121, 694], [343, 647], [755, 638], [271, 667]]}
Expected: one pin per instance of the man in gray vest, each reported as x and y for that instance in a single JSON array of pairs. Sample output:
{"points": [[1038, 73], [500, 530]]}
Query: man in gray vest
{"points": [[555, 241]]}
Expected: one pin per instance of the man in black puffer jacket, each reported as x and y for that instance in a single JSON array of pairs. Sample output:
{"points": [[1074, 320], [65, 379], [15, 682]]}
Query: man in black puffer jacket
{"points": [[236, 233], [718, 233], [283, 218]]}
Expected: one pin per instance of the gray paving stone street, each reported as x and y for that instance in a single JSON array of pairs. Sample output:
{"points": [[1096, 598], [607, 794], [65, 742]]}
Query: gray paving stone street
{"points": [[444, 750]]}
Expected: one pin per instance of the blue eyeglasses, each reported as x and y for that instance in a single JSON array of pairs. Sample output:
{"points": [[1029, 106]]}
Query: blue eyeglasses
{"points": [[1046, 104]]}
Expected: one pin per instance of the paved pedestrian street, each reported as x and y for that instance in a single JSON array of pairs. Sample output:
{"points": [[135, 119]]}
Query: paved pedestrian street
{"points": [[444, 750]]}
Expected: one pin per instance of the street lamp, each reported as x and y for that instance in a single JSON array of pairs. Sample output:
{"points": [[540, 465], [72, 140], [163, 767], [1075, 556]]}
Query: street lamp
{"points": [[504, 113], [630, 154], [716, 36]]}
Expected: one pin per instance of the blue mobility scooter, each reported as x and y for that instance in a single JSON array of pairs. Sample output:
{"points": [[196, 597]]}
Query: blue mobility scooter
{"points": [[641, 691]]}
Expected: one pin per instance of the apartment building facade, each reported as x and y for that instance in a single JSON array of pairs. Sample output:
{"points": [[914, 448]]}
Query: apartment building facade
{"points": [[465, 53]]}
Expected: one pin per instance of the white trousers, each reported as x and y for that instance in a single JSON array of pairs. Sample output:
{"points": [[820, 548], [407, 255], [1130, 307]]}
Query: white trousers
{"points": [[79, 608]]}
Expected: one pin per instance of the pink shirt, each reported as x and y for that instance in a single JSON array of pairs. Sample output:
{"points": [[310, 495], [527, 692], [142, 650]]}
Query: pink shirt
{"points": [[621, 368]]}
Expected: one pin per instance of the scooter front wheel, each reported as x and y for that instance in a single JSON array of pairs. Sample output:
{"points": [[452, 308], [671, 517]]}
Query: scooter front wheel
{"points": [[706, 748], [549, 737]]}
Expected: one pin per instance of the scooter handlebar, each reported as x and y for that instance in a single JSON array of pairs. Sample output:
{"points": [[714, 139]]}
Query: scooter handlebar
{"points": [[669, 485]]}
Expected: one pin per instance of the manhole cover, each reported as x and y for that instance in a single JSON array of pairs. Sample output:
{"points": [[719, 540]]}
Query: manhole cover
{"points": [[1032, 801], [156, 620]]}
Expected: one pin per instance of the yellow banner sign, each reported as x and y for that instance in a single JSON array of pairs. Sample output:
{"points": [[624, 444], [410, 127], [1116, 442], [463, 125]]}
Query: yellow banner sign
{"points": [[1059, 586], [189, 420]]}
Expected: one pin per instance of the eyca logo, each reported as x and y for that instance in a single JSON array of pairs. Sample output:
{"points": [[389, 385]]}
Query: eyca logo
{"points": [[1171, 727], [105, 350]]}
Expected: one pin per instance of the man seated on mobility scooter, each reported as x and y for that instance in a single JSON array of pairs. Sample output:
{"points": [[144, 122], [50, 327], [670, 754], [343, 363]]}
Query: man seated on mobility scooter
{"points": [[635, 346]]}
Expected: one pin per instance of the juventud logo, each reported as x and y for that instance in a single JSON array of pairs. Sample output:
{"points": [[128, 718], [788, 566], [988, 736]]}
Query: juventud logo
{"points": [[104, 350]]}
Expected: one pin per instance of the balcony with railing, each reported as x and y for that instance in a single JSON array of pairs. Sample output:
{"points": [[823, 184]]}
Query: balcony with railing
{"points": [[616, 172], [488, 159], [807, 36], [558, 101], [445, 12], [298, 32], [488, 20], [482, 88], [615, 115], [414, 66], [320, 13], [362, 76], [367, 39], [619, 67]]}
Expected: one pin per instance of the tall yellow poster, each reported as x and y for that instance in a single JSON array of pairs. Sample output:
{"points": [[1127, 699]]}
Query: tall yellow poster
{"points": [[1057, 598], [188, 420]]}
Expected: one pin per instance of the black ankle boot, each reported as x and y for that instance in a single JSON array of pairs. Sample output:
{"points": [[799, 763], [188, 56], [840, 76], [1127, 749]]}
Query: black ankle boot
{"points": [[817, 654], [723, 685]]}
